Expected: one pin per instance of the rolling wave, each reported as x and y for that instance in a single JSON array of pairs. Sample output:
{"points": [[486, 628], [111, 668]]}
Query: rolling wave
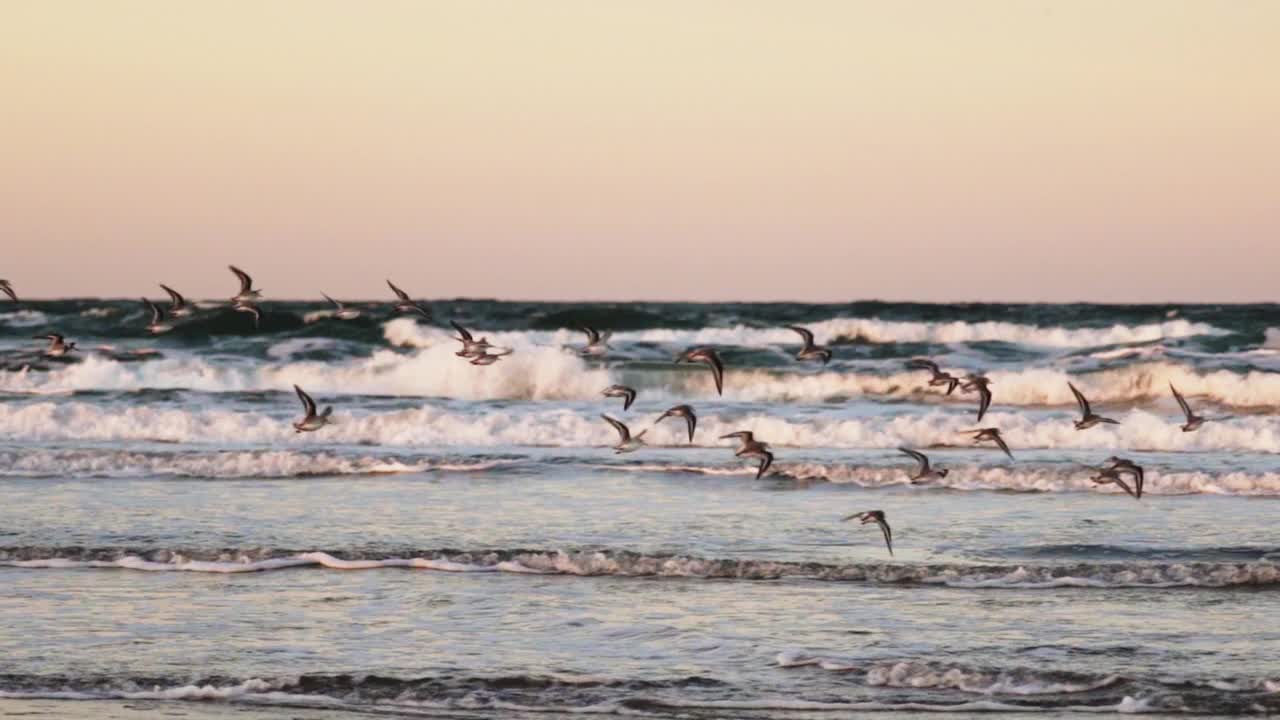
{"points": [[621, 563], [533, 426]]}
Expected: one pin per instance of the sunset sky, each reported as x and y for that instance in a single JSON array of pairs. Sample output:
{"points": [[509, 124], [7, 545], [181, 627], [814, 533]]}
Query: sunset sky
{"points": [[700, 150]]}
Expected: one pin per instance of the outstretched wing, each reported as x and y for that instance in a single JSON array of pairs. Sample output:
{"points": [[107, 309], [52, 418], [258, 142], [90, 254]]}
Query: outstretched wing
{"points": [[984, 401], [1182, 402], [7, 289], [924, 364], [999, 440], [920, 458], [335, 302], [717, 370], [691, 421], [805, 334], [766, 460], [156, 315], [175, 298], [593, 335], [623, 433], [888, 532], [308, 405], [399, 293], [466, 336], [1081, 401], [246, 282]]}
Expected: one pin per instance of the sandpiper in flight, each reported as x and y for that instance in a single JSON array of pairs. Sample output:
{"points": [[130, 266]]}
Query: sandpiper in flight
{"points": [[1125, 465], [247, 294], [1194, 421], [711, 358], [597, 342], [312, 420], [626, 443], [157, 326], [924, 473], [684, 411], [406, 304], [58, 346], [989, 434], [1087, 417], [627, 394], [178, 305], [810, 351], [939, 378], [472, 348], [752, 448], [877, 517], [979, 383], [340, 310]]}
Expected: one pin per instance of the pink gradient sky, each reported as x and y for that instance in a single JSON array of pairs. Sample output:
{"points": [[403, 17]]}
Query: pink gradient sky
{"points": [[998, 150]]}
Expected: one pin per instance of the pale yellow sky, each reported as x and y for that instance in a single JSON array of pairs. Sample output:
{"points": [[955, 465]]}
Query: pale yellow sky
{"points": [[1014, 150]]}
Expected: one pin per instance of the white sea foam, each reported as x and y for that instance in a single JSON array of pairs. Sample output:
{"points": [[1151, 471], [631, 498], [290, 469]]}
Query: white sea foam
{"points": [[432, 425], [914, 674], [23, 318]]}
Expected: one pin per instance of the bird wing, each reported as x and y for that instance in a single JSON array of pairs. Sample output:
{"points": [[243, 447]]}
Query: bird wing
{"points": [[466, 336], [984, 400], [623, 432], [593, 336], [630, 396], [246, 282], [920, 459], [691, 421], [923, 364], [1081, 401], [888, 533], [308, 404], [804, 333], [999, 440], [717, 370], [399, 293], [1182, 402], [766, 460], [8, 290], [335, 302], [156, 315], [175, 298]]}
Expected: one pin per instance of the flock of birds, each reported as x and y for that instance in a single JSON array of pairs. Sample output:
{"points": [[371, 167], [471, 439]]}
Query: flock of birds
{"points": [[1114, 470]]}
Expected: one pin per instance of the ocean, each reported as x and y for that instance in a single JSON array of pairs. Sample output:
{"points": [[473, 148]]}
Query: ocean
{"points": [[463, 543]]}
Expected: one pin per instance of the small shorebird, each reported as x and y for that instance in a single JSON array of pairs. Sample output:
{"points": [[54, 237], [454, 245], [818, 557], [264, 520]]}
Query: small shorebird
{"points": [[247, 294], [627, 394], [939, 378], [251, 309], [178, 306], [877, 517], [1194, 421], [750, 447], [1088, 419], [405, 304], [1124, 466], [626, 443], [810, 351], [311, 421], [472, 348], [1112, 476], [341, 311], [7, 289], [989, 434], [58, 345], [485, 358], [684, 411], [979, 383], [924, 473], [711, 358], [157, 326], [597, 342]]}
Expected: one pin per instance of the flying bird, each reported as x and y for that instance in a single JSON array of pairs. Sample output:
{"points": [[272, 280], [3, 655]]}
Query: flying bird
{"points": [[923, 473], [1112, 476], [626, 443], [749, 447], [1125, 466], [877, 517], [58, 346], [472, 348], [1088, 419], [178, 305], [1193, 421], [311, 421], [711, 358], [627, 394], [597, 342], [810, 350], [979, 383], [684, 411], [7, 289], [989, 434], [340, 310], [247, 294], [939, 378], [405, 304], [157, 326]]}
